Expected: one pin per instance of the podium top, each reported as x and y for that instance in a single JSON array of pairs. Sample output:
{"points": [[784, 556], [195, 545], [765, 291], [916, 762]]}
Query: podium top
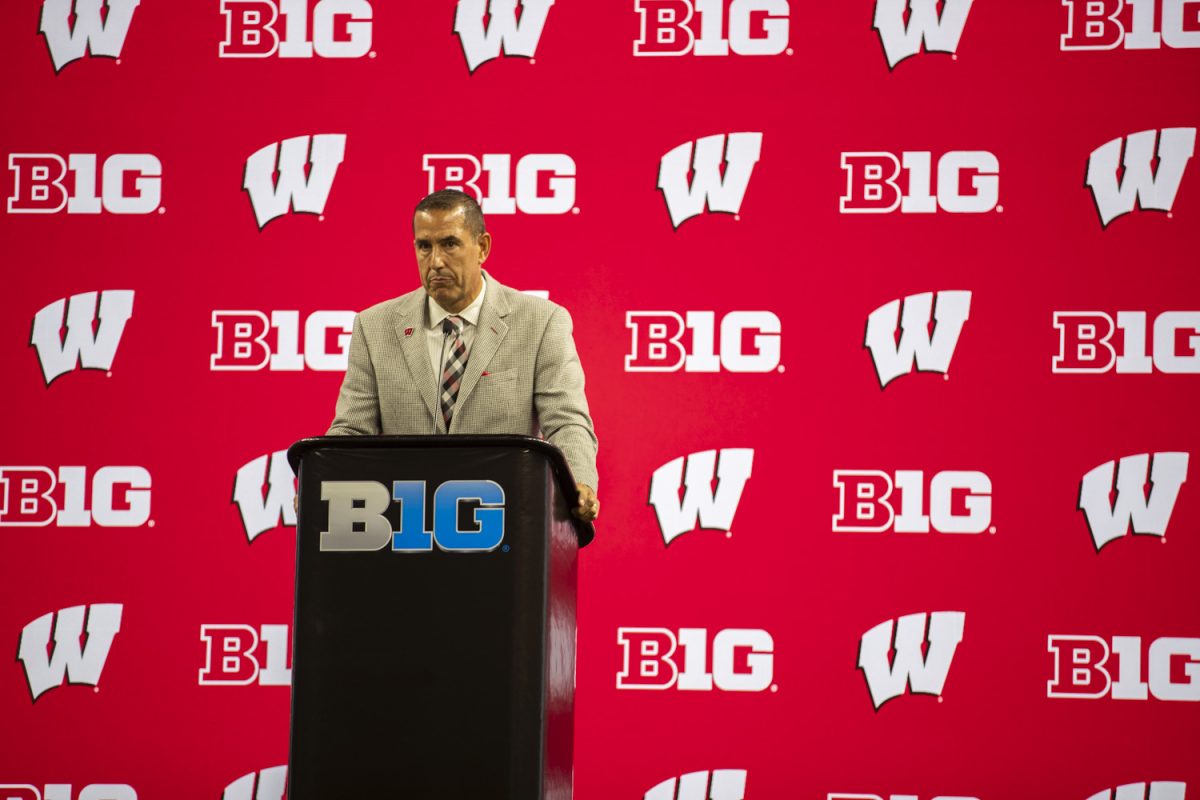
{"points": [[585, 531]]}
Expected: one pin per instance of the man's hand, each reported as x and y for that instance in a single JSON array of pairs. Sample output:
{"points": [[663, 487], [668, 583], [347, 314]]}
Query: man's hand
{"points": [[589, 505]]}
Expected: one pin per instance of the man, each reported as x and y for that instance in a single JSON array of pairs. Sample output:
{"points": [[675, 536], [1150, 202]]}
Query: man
{"points": [[465, 354]]}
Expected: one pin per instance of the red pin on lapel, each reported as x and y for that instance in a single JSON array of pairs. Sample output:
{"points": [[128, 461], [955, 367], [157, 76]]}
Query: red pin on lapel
{"points": [[407, 332]]}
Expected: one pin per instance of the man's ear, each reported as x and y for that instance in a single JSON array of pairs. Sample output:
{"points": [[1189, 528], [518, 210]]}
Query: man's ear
{"points": [[485, 246]]}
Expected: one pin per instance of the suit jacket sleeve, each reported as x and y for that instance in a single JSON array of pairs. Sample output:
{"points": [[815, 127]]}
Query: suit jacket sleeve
{"points": [[559, 399], [358, 402]]}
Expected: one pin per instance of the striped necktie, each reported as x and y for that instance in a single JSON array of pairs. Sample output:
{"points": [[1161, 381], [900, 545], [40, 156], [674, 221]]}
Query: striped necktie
{"points": [[456, 364]]}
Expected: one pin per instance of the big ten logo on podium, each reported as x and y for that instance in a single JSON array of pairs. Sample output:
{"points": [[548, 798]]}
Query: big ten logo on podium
{"points": [[1167, 343], [1131, 24], [296, 28], [83, 183], [960, 501], [65, 791], [468, 516], [738, 660], [37, 496], [250, 340], [665, 341], [536, 183], [877, 182], [242, 655], [1132, 668], [712, 27]]}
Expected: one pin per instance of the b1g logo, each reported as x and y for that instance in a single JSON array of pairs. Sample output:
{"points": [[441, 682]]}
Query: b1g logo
{"points": [[701, 506], [904, 25], [968, 182], [356, 521], [74, 28], [1086, 668], [749, 341], [959, 502], [46, 183], [248, 341], [64, 791], [86, 343], [266, 784], [1085, 342], [1141, 171], [720, 784], [68, 661], [1158, 790], [1131, 507], [504, 32], [915, 347], [712, 175], [743, 659], [40, 496], [306, 167], [924, 646], [263, 512], [670, 27], [1105, 25], [340, 28], [544, 182], [237, 655]]}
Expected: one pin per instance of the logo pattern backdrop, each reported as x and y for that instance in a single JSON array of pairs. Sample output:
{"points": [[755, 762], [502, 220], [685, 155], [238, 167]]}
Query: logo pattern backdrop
{"points": [[887, 314]]}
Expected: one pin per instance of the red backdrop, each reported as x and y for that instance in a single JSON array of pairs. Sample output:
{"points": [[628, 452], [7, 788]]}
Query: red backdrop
{"points": [[993, 131]]}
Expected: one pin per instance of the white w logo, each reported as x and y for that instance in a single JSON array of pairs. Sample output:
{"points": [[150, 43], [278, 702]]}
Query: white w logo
{"points": [[911, 668], [710, 186], [267, 784], [720, 784], [504, 32], [1158, 790], [104, 37], [262, 513], [916, 345], [1142, 185], [700, 507], [1110, 520], [59, 355], [68, 658], [939, 33], [307, 166]]}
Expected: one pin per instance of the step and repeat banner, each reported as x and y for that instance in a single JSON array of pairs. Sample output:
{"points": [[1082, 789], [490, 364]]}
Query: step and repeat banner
{"points": [[890, 317]]}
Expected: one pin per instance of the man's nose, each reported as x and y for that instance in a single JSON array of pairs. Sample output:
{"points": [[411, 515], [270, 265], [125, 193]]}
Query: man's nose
{"points": [[436, 258]]}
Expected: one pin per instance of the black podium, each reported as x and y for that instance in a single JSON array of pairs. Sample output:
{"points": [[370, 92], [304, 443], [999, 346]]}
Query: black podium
{"points": [[434, 639]]}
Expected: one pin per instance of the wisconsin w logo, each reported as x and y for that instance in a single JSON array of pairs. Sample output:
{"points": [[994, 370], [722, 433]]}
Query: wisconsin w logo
{"points": [[720, 784], [701, 506], [102, 36], [504, 33], [68, 659], [721, 174], [939, 33], [924, 646], [307, 166], [93, 346], [930, 353], [267, 784], [1143, 185], [1109, 520], [1158, 790], [262, 513]]}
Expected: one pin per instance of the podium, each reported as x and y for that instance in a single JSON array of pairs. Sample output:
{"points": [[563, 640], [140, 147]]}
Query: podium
{"points": [[434, 637]]}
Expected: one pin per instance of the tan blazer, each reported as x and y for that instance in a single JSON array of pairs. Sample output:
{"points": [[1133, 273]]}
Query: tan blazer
{"points": [[533, 383]]}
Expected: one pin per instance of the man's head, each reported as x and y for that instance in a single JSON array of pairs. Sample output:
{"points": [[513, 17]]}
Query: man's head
{"points": [[451, 245]]}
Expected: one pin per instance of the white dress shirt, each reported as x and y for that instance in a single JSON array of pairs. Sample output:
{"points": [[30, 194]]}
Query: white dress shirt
{"points": [[437, 342]]}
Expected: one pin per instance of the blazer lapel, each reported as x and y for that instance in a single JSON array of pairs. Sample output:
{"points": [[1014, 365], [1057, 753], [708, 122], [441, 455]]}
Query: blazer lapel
{"points": [[410, 329], [491, 332]]}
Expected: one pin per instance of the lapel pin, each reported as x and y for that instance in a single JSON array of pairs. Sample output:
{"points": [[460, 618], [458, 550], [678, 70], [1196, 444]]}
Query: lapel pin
{"points": [[485, 374], [407, 332]]}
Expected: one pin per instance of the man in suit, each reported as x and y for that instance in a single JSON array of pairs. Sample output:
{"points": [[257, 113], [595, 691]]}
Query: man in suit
{"points": [[466, 354]]}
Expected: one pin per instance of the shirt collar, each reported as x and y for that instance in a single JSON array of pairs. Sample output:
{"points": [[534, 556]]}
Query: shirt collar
{"points": [[470, 313]]}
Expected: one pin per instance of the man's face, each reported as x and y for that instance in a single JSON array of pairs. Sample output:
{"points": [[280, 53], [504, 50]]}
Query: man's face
{"points": [[449, 257]]}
